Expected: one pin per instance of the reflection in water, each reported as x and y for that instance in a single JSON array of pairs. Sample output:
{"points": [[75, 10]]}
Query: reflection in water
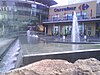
{"points": [[31, 36], [40, 46], [32, 39], [28, 39]]}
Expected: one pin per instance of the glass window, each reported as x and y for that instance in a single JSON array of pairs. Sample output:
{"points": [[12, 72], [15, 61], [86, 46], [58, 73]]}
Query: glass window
{"points": [[4, 3], [20, 4], [69, 16], [84, 14], [78, 15], [89, 28], [65, 17], [18, 14], [55, 17], [89, 31]]}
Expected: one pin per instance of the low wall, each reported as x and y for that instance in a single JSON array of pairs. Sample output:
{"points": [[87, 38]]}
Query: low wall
{"points": [[70, 56], [4, 48], [12, 57]]}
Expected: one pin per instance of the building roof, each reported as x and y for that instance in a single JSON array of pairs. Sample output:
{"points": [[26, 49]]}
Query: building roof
{"points": [[46, 2]]}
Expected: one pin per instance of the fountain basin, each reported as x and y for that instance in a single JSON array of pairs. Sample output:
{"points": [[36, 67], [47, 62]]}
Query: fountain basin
{"points": [[40, 49], [70, 56]]}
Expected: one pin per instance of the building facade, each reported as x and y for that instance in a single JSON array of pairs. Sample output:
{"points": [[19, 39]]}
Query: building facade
{"points": [[16, 15], [60, 19]]}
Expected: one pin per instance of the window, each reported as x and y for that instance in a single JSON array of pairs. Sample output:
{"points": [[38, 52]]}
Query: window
{"points": [[4, 3], [19, 4], [84, 14], [24, 13], [89, 28], [55, 17], [79, 16], [65, 17], [89, 31], [69, 16]]}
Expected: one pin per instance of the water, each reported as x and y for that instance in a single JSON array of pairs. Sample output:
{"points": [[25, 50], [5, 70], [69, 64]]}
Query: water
{"points": [[37, 46], [9, 60], [75, 29]]}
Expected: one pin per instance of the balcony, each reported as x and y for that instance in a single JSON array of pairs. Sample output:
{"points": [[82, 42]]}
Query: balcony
{"points": [[69, 20]]}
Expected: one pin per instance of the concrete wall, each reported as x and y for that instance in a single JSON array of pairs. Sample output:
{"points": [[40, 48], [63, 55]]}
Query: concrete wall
{"points": [[69, 56], [19, 61]]}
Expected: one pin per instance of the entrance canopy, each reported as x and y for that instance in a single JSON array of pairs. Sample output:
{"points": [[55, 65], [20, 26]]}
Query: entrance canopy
{"points": [[46, 2]]}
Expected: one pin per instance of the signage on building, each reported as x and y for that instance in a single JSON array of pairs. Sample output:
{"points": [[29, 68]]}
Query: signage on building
{"points": [[84, 7], [81, 7], [4, 8], [64, 9]]}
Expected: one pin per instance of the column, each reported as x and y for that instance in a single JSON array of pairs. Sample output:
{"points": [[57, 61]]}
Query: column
{"points": [[49, 29], [45, 31], [3, 31], [59, 32], [83, 28], [53, 29]]}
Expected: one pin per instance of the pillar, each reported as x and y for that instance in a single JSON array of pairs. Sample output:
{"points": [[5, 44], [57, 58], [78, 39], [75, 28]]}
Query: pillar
{"points": [[61, 29], [45, 31], [50, 29]]}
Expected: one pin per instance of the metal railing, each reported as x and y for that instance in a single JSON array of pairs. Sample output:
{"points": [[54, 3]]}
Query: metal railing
{"points": [[66, 19]]}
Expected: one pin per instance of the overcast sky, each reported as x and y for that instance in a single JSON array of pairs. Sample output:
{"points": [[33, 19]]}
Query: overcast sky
{"points": [[65, 2], [61, 2]]}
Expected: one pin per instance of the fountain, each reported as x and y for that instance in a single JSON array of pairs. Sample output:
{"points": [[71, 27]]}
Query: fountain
{"points": [[75, 32], [71, 51], [75, 29]]}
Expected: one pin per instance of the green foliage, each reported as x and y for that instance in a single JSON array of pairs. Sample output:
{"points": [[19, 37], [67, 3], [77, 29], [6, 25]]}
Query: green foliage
{"points": [[98, 29]]}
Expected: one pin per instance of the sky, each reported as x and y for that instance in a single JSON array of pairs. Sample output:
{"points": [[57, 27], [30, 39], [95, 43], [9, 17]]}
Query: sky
{"points": [[66, 2], [61, 2]]}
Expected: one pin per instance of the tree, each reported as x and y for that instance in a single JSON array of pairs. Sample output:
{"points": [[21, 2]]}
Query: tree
{"points": [[98, 29]]}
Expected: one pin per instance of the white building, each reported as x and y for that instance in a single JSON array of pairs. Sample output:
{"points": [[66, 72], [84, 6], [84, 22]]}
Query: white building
{"points": [[80, 1]]}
